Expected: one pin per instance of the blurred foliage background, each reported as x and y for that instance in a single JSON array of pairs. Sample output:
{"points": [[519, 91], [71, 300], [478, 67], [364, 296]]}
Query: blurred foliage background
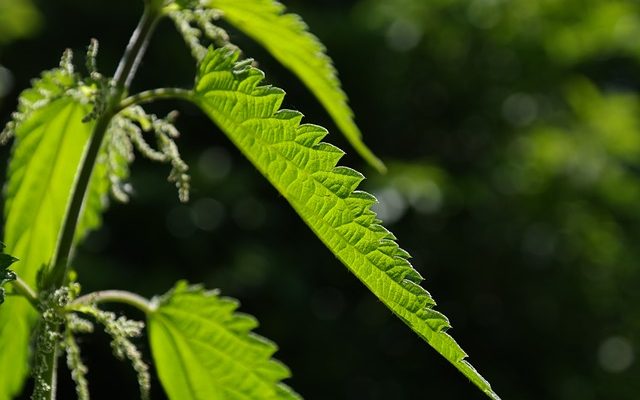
{"points": [[511, 129]]}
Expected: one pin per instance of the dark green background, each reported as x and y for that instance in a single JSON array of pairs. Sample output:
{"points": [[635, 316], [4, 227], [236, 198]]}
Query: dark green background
{"points": [[512, 134]]}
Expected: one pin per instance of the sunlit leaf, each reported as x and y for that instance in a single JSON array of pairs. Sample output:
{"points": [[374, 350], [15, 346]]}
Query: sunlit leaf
{"points": [[304, 171], [287, 38], [205, 350], [50, 141]]}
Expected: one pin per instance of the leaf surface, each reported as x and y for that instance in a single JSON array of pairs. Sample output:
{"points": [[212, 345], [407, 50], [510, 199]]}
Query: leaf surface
{"points": [[303, 169], [50, 141], [204, 350], [287, 38]]}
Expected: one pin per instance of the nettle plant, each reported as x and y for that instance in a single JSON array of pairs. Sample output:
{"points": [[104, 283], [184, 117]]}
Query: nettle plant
{"points": [[75, 136]]}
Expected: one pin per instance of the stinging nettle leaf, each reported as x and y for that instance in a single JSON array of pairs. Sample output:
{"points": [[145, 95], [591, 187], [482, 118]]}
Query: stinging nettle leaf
{"points": [[50, 142], [287, 38], [204, 350], [304, 171]]}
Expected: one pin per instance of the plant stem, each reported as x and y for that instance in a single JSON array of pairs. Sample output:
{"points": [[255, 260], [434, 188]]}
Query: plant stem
{"points": [[116, 296], [23, 289], [121, 81], [149, 96], [136, 47]]}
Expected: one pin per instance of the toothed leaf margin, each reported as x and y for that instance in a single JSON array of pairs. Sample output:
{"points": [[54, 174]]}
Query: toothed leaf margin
{"points": [[203, 349], [303, 169]]}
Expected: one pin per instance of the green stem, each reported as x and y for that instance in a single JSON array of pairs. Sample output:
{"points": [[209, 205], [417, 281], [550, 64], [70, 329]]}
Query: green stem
{"points": [[122, 79], [116, 296], [23, 289], [137, 46], [149, 96]]}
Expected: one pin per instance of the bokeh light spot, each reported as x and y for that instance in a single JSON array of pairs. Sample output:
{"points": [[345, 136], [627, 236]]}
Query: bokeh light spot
{"points": [[403, 35], [520, 109], [615, 354], [207, 214], [214, 164], [391, 205]]}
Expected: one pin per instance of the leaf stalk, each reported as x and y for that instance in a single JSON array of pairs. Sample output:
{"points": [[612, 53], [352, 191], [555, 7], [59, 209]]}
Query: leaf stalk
{"points": [[23, 289], [149, 96], [116, 296]]}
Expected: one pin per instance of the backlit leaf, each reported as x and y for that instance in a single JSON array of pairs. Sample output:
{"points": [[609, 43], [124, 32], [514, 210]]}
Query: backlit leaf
{"points": [[287, 38], [50, 141], [204, 350], [303, 169]]}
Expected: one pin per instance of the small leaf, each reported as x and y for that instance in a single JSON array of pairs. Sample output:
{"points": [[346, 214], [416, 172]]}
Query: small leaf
{"points": [[5, 259], [204, 350], [287, 38], [5, 262], [303, 169]]}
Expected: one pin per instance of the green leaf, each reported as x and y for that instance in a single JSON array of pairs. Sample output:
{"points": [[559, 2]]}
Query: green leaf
{"points": [[204, 350], [50, 141], [287, 38], [5, 262], [304, 171]]}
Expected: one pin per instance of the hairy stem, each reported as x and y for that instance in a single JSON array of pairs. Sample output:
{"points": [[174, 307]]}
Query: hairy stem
{"points": [[149, 96], [136, 47], [116, 296], [23, 289], [122, 79]]}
